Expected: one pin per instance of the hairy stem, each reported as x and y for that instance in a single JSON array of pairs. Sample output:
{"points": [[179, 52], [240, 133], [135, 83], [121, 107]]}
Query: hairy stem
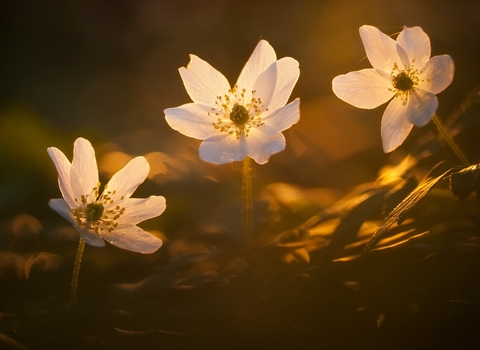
{"points": [[247, 203], [76, 271], [449, 139]]}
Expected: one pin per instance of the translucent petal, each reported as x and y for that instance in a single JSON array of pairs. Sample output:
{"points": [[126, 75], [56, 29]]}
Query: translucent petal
{"points": [[191, 120], [203, 82], [84, 171], [127, 179], [415, 44], [421, 106], [62, 208], [62, 164], [261, 58], [140, 209], [380, 48], [224, 148], [395, 126], [262, 146], [133, 238], [282, 118], [363, 89], [278, 81], [264, 87], [438, 74]]}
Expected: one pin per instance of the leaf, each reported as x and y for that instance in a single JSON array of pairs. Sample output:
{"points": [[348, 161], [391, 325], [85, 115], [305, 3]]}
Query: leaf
{"points": [[43, 260], [465, 181], [352, 221], [11, 343], [398, 214]]}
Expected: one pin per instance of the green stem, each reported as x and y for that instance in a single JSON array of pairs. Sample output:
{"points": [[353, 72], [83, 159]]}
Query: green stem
{"points": [[76, 272], [451, 142], [247, 203]]}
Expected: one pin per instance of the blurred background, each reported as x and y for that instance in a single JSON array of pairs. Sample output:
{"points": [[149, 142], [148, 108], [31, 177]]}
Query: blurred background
{"points": [[106, 70]]}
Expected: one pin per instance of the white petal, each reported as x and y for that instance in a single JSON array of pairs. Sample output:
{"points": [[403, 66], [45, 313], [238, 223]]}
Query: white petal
{"points": [[415, 44], [224, 148], [203, 82], [90, 237], [264, 87], [262, 146], [140, 209], [191, 120], [380, 48], [421, 106], [62, 208], [274, 86], [133, 238], [288, 73], [363, 89], [62, 164], [395, 126], [262, 57], [127, 179], [437, 74], [84, 171], [282, 118]]}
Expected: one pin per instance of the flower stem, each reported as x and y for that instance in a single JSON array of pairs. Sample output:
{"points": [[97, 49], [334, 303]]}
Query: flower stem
{"points": [[247, 203], [449, 139], [76, 271]]}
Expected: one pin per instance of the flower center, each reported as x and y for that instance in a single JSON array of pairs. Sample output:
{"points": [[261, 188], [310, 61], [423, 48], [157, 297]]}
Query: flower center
{"points": [[402, 82], [239, 114], [236, 116], [93, 211], [98, 213]]}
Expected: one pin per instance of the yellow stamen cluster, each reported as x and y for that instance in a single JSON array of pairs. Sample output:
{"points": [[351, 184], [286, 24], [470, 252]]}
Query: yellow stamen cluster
{"points": [[234, 115], [91, 212], [403, 81]]}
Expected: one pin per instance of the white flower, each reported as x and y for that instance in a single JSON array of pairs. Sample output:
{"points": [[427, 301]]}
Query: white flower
{"points": [[244, 120], [402, 69], [113, 215]]}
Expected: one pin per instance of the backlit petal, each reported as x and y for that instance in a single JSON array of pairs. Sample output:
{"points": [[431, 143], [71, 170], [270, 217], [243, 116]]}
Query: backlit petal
{"points": [[127, 179], [224, 148], [437, 74], [280, 87], [140, 209], [363, 89], [203, 82], [84, 171], [413, 47], [133, 238], [262, 146], [62, 164], [191, 120], [282, 118], [395, 126], [421, 106], [62, 208], [261, 58], [380, 48]]}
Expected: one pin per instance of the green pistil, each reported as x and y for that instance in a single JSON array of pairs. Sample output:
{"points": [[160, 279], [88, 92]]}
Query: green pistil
{"points": [[94, 211], [239, 114], [402, 82]]}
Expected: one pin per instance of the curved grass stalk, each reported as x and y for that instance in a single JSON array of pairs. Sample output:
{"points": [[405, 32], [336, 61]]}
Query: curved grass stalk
{"points": [[449, 139]]}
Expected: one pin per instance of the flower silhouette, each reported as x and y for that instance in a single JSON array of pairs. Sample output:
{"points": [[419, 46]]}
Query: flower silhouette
{"points": [[244, 120], [402, 69], [113, 215]]}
